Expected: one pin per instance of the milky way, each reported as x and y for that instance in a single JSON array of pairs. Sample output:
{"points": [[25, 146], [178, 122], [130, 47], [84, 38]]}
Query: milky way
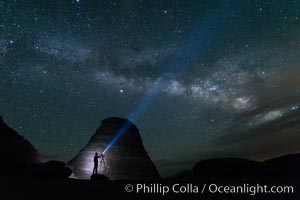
{"points": [[225, 75]]}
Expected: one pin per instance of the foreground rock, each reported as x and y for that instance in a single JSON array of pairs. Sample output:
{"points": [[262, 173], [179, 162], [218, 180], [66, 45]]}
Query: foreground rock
{"points": [[52, 169], [126, 159], [99, 177]]}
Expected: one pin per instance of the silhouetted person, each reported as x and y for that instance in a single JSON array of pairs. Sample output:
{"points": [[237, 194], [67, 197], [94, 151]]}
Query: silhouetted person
{"points": [[95, 170]]}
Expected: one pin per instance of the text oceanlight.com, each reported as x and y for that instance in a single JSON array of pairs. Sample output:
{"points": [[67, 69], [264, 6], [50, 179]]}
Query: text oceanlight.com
{"points": [[158, 188]]}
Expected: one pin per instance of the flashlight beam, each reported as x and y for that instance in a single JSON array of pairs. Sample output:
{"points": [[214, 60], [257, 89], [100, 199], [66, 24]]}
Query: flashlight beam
{"points": [[199, 40]]}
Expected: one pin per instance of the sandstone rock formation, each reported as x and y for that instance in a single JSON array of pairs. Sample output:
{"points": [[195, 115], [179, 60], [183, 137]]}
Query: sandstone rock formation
{"points": [[16, 153], [126, 159]]}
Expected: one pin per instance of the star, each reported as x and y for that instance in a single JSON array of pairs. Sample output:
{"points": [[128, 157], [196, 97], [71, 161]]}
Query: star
{"points": [[294, 107]]}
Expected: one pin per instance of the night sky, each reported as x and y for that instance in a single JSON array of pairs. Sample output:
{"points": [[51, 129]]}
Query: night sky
{"points": [[200, 79]]}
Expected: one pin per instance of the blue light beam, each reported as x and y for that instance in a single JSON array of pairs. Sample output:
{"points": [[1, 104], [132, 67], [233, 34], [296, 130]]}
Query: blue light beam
{"points": [[199, 40]]}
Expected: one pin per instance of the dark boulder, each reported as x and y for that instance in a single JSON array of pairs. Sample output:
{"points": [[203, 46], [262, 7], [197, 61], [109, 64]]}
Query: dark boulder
{"points": [[52, 169]]}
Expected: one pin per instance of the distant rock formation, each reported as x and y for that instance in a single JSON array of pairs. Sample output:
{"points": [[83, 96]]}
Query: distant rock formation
{"points": [[230, 167], [284, 166], [126, 159], [16, 153]]}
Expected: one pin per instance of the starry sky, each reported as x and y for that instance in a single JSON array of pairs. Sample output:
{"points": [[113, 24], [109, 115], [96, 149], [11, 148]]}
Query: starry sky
{"points": [[200, 78]]}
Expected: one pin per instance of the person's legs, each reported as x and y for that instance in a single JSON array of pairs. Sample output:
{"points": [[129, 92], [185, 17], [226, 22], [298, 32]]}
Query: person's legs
{"points": [[94, 170]]}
